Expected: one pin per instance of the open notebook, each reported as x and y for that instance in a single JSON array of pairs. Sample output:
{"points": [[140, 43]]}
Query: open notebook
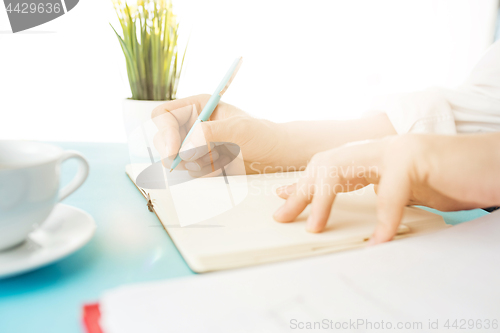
{"points": [[247, 234]]}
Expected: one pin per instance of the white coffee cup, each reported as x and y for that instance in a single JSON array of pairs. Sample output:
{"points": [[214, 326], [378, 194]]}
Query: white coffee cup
{"points": [[29, 186]]}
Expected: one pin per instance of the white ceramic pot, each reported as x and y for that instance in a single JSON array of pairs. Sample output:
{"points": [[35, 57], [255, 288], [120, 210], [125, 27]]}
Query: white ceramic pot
{"points": [[136, 113], [140, 130]]}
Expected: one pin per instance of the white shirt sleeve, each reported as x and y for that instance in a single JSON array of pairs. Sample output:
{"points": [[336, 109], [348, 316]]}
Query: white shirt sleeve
{"points": [[470, 108]]}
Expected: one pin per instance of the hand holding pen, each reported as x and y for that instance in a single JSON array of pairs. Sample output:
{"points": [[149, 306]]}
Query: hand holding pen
{"points": [[207, 111], [257, 138]]}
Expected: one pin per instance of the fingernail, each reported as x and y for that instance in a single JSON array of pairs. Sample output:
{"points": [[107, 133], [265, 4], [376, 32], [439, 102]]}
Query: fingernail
{"points": [[280, 189], [310, 225], [192, 166], [287, 189]]}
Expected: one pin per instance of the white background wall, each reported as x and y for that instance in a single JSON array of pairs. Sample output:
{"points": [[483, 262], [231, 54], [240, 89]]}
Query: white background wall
{"points": [[64, 81]]}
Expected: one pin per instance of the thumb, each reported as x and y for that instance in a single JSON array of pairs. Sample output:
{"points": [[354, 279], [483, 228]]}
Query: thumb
{"points": [[392, 197], [201, 136]]}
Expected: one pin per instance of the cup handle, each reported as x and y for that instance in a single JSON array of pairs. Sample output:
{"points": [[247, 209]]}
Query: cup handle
{"points": [[81, 175]]}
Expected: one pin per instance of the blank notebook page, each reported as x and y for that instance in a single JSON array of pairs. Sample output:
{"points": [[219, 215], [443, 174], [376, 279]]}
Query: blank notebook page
{"points": [[247, 234]]}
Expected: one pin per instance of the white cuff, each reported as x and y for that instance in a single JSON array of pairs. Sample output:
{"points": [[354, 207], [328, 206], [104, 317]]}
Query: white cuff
{"points": [[418, 112]]}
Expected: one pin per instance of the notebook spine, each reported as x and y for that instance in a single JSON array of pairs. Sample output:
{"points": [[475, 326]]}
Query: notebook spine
{"points": [[149, 201]]}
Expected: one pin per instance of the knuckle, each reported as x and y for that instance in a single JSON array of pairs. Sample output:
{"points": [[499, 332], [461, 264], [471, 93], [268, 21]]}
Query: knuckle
{"points": [[242, 124], [404, 152], [203, 98], [315, 159], [158, 111], [318, 164]]}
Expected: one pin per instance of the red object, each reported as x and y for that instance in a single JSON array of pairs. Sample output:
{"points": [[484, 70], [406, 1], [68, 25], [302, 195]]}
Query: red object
{"points": [[91, 317]]}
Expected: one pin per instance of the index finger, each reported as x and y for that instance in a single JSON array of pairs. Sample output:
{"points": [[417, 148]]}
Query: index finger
{"points": [[322, 203], [196, 102], [392, 197], [171, 128]]}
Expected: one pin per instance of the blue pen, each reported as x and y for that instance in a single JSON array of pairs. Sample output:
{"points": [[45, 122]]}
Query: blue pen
{"points": [[212, 103]]}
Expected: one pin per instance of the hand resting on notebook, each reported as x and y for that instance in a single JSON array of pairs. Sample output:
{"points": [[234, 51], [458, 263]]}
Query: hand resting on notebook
{"points": [[443, 172]]}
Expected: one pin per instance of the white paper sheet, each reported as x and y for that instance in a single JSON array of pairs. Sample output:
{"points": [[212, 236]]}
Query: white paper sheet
{"points": [[452, 274]]}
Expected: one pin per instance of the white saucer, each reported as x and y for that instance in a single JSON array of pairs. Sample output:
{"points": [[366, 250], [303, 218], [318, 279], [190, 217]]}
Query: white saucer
{"points": [[66, 230]]}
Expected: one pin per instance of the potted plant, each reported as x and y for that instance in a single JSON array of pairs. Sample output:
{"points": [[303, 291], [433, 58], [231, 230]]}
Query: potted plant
{"points": [[149, 36]]}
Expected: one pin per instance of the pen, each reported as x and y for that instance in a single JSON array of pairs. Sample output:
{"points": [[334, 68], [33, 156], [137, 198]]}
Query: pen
{"points": [[212, 103]]}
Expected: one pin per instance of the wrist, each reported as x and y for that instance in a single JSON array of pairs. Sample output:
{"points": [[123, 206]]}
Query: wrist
{"points": [[296, 146]]}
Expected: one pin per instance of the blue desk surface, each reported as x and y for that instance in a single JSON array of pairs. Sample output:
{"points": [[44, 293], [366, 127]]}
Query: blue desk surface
{"points": [[130, 245]]}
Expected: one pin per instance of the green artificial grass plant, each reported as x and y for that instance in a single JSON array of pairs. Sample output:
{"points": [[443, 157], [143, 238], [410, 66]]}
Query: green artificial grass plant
{"points": [[149, 43]]}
